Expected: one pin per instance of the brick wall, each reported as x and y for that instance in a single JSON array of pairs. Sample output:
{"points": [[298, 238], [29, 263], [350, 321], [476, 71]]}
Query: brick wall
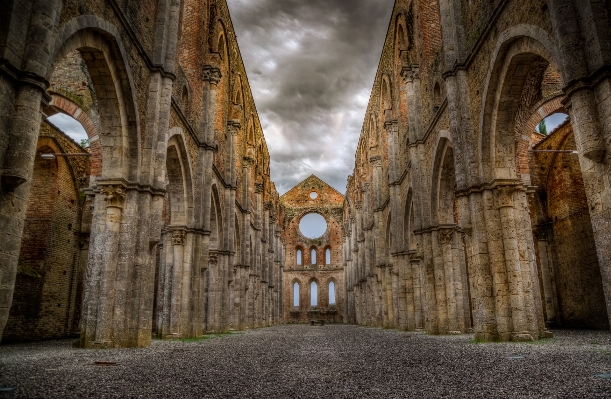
{"points": [[576, 271], [297, 203], [44, 298]]}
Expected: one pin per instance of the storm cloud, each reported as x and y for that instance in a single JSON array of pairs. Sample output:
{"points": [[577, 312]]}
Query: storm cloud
{"points": [[311, 66]]}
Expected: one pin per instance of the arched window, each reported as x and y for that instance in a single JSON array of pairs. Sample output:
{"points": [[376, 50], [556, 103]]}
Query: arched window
{"points": [[313, 255], [328, 256], [299, 255], [296, 294], [313, 294], [221, 46], [331, 293]]}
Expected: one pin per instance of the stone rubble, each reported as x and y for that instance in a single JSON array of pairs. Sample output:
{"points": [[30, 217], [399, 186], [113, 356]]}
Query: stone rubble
{"points": [[301, 361]]}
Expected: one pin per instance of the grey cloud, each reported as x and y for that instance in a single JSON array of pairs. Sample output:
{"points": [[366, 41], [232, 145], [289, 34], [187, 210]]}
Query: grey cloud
{"points": [[311, 65]]}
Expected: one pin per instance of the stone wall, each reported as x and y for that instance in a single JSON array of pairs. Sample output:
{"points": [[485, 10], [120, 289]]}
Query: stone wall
{"points": [[180, 170], [439, 210]]}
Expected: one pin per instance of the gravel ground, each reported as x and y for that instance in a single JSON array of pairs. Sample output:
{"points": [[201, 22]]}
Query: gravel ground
{"points": [[302, 361]]}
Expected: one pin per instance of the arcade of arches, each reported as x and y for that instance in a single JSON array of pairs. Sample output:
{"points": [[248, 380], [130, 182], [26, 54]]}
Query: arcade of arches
{"points": [[462, 214]]}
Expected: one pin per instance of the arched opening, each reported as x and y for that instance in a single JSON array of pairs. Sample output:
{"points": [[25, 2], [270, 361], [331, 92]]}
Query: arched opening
{"points": [[450, 256], [52, 259], [299, 257], [447, 206], [313, 255], [177, 208], [569, 271], [215, 220], [548, 124], [385, 95], [524, 86], [313, 294], [221, 46], [331, 293], [373, 133], [296, 294], [327, 256]]}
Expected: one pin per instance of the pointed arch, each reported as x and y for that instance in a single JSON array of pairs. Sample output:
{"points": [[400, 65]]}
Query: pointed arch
{"points": [[313, 288], [385, 94], [331, 291], [522, 52], [102, 49], [407, 219], [443, 182], [216, 220], [296, 292], [373, 131], [179, 178]]}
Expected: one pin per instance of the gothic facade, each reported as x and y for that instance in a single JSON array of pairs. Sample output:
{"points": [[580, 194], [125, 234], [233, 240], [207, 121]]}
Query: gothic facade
{"points": [[314, 287], [459, 215]]}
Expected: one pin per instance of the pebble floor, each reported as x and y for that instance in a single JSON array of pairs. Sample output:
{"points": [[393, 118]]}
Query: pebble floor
{"points": [[302, 361]]}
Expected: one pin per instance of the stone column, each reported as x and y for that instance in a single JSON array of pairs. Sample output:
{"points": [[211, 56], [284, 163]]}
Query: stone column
{"points": [[176, 286], [102, 267], [411, 76], [546, 262], [513, 273], [418, 293]]}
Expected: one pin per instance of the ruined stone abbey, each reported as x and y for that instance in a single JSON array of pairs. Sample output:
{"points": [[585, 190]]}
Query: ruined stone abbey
{"points": [[460, 216]]}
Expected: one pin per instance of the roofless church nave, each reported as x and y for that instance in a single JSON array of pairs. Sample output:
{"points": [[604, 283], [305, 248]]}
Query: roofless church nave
{"points": [[464, 213]]}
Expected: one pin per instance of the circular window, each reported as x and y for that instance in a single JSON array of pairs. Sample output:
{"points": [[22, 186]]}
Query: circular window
{"points": [[313, 195], [313, 225]]}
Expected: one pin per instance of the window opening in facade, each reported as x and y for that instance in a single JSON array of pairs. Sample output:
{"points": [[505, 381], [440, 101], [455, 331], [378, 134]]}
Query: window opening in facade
{"points": [[296, 294], [313, 294], [331, 293]]}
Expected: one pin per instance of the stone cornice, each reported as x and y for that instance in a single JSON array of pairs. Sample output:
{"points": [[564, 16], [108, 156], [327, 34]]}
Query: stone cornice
{"points": [[491, 185], [129, 186], [399, 181], [432, 124], [12, 72], [383, 206]]}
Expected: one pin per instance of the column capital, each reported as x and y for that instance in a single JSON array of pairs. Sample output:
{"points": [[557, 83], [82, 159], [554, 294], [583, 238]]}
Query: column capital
{"points": [[410, 73], [114, 195], [213, 258], [248, 161], [212, 74], [445, 235], [258, 188], [391, 126], [178, 237], [233, 126], [414, 257], [503, 196], [376, 161]]}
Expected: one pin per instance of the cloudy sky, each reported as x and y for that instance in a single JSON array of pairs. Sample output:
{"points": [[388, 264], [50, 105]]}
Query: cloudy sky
{"points": [[311, 65]]}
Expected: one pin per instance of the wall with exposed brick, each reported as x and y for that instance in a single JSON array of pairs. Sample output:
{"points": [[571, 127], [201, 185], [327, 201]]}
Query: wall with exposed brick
{"points": [[297, 203], [564, 215], [45, 299]]}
